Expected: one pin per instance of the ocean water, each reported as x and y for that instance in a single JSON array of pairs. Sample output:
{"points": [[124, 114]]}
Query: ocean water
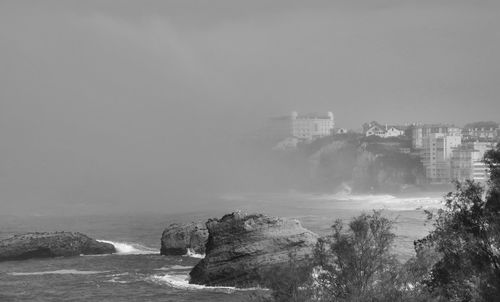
{"points": [[138, 273]]}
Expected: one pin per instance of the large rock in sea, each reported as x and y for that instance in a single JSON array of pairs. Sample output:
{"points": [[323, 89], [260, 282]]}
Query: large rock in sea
{"points": [[177, 239], [242, 249], [56, 244]]}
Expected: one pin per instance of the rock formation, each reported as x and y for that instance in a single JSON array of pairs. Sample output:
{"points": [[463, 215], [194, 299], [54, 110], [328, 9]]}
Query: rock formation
{"points": [[43, 245], [177, 239], [242, 248]]}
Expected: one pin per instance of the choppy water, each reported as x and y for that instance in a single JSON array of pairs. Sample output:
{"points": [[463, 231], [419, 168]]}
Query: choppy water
{"points": [[138, 273]]}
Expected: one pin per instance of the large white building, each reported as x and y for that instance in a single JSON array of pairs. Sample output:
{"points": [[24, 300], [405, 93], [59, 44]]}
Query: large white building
{"points": [[437, 150], [467, 161], [312, 126]]}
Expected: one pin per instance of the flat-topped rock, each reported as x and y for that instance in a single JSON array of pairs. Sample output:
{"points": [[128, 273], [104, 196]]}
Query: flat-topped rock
{"points": [[242, 248], [54, 244], [177, 239]]}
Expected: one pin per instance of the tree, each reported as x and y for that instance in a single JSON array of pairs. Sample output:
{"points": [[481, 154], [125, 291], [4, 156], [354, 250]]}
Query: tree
{"points": [[466, 239], [356, 264]]}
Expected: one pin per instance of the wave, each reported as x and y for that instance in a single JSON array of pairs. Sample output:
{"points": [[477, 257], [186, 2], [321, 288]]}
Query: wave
{"points": [[193, 254], [58, 272], [126, 248], [115, 277], [182, 282], [384, 201], [174, 268]]}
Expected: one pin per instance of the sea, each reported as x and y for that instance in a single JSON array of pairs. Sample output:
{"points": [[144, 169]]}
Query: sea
{"points": [[137, 272]]}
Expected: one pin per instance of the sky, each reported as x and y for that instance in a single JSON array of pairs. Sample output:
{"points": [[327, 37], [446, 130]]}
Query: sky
{"points": [[135, 104]]}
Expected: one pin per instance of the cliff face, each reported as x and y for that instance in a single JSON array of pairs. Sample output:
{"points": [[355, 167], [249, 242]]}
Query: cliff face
{"points": [[241, 248], [366, 166], [43, 245], [178, 238]]}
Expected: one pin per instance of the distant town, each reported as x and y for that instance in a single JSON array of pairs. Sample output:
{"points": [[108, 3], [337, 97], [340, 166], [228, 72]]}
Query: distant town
{"points": [[446, 152]]}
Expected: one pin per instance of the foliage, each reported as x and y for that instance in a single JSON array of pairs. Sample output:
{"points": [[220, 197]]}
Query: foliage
{"points": [[289, 283], [467, 239], [356, 265], [458, 261]]}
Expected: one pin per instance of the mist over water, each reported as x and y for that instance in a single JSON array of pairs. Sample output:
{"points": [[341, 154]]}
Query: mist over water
{"points": [[123, 107]]}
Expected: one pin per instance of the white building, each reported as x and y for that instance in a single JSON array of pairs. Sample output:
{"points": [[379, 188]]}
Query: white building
{"points": [[467, 161], [436, 156], [375, 130], [392, 131], [381, 131], [312, 126]]}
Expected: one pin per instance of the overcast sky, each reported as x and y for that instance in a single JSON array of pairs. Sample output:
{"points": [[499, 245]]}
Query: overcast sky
{"points": [[115, 102]]}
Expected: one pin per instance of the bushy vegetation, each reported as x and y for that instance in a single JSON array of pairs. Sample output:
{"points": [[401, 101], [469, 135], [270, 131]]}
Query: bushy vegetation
{"points": [[459, 260]]}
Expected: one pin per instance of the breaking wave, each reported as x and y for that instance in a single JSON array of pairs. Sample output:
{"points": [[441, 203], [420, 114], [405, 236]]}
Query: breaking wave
{"points": [[193, 254], [174, 268], [58, 272], [383, 201], [125, 248], [179, 281]]}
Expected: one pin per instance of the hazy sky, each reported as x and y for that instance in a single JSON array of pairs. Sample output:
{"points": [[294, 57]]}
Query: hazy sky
{"points": [[137, 102]]}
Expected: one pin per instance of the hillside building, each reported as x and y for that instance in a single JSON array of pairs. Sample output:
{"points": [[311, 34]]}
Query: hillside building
{"points": [[310, 127], [384, 131]]}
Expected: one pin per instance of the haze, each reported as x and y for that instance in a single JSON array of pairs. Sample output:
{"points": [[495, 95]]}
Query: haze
{"points": [[134, 105]]}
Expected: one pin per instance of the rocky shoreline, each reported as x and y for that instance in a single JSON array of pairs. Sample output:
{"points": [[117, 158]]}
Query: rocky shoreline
{"points": [[51, 244], [239, 248]]}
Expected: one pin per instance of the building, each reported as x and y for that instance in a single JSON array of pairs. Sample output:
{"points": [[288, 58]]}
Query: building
{"points": [[384, 131], [436, 155], [467, 161], [487, 134], [420, 132], [375, 130], [394, 131], [310, 127]]}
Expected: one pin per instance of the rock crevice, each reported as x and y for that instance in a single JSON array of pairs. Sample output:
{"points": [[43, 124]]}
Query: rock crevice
{"points": [[178, 239]]}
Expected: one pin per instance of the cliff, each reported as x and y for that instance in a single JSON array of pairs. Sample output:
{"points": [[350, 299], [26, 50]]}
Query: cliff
{"points": [[366, 164], [242, 248], [43, 245]]}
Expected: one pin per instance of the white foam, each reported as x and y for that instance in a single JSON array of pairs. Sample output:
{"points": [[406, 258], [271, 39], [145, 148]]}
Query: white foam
{"points": [[58, 272], [384, 201], [353, 197], [174, 267], [193, 254], [182, 282], [125, 248], [115, 277]]}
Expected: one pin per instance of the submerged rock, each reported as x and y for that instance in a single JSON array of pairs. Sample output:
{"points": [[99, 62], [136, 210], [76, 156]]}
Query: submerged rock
{"points": [[178, 239], [55, 244], [242, 249]]}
